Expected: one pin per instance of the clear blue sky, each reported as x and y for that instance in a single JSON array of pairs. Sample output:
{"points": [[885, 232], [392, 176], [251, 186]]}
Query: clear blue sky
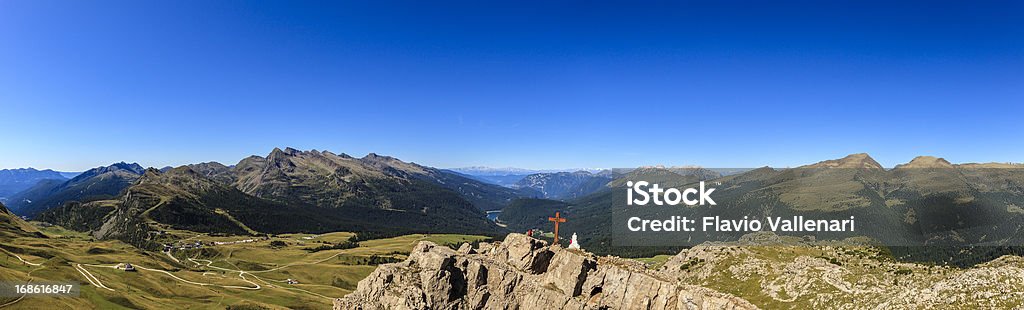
{"points": [[529, 84]]}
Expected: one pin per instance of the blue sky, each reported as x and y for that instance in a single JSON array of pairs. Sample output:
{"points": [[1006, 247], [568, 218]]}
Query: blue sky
{"points": [[517, 83]]}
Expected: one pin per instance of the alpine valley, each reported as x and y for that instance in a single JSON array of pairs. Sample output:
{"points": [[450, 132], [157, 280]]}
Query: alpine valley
{"points": [[287, 191], [315, 229]]}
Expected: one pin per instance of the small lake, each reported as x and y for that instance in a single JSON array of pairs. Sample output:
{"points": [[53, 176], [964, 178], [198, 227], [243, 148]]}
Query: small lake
{"points": [[493, 215]]}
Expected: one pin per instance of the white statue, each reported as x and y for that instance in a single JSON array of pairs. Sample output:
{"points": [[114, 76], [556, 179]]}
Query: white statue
{"points": [[574, 244]]}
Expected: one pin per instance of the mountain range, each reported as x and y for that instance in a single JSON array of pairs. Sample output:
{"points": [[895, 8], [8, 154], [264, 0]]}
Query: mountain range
{"points": [[927, 202], [564, 185], [13, 181], [94, 184], [922, 202], [286, 191], [508, 176], [491, 171]]}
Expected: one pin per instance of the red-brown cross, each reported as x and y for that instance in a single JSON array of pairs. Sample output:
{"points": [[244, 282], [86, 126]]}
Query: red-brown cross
{"points": [[557, 219]]}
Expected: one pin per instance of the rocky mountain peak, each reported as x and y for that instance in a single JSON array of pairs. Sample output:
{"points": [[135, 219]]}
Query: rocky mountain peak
{"points": [[927, 162], [278, 152], [859, 160], [280, 157], [150, 172], [332, 154], [134, 167], [116, 168], [377, 157], [183, 170], [178, 174], [208, 165]]}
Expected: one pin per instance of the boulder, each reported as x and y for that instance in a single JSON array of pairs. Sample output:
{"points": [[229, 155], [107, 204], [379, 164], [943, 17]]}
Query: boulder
{"points": [[568, 270], [466, 249], [526, 253]]}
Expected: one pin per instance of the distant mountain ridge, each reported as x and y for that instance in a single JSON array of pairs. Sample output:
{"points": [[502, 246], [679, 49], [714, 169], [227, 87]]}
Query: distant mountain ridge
{"points": [[489, 171], [564, 185], [69, 175], [507, 176], [13, 181], [95, 184], [925, 201], [292, 191]]}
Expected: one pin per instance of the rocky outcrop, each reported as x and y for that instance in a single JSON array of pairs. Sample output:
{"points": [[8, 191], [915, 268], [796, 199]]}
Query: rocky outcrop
{"points": [[525, 273], [811, 275]]}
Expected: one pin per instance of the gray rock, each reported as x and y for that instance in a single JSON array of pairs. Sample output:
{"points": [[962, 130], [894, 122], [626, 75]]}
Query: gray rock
{"points": [[524, 273], [466, 249]]}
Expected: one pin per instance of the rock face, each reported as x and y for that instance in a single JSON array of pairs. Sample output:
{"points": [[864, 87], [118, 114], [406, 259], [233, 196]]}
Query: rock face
{"points": [[525, 273]]}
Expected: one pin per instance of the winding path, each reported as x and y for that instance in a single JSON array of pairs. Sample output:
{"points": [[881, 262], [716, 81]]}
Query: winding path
{"points": [[96, 282], [40, 265], [89, 276], [242, 273], [19, 258], [19, 298]]}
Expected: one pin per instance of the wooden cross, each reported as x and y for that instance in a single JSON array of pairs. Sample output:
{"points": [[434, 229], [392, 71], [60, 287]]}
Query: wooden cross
{"points": [[557, 219]]}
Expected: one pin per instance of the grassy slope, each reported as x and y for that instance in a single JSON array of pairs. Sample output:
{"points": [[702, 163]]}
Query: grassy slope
{"points": [[322, 275]]}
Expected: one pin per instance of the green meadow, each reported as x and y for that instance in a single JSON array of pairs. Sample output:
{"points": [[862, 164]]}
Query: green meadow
{"points": [[250, 275]]}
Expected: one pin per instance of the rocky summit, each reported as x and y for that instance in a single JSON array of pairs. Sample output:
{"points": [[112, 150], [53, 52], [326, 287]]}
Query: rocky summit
{"points": [[765, 269], [525, 273]]}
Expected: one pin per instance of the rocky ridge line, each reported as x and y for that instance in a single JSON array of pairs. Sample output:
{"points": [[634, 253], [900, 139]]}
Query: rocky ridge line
{"points": [[524, 273]]}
